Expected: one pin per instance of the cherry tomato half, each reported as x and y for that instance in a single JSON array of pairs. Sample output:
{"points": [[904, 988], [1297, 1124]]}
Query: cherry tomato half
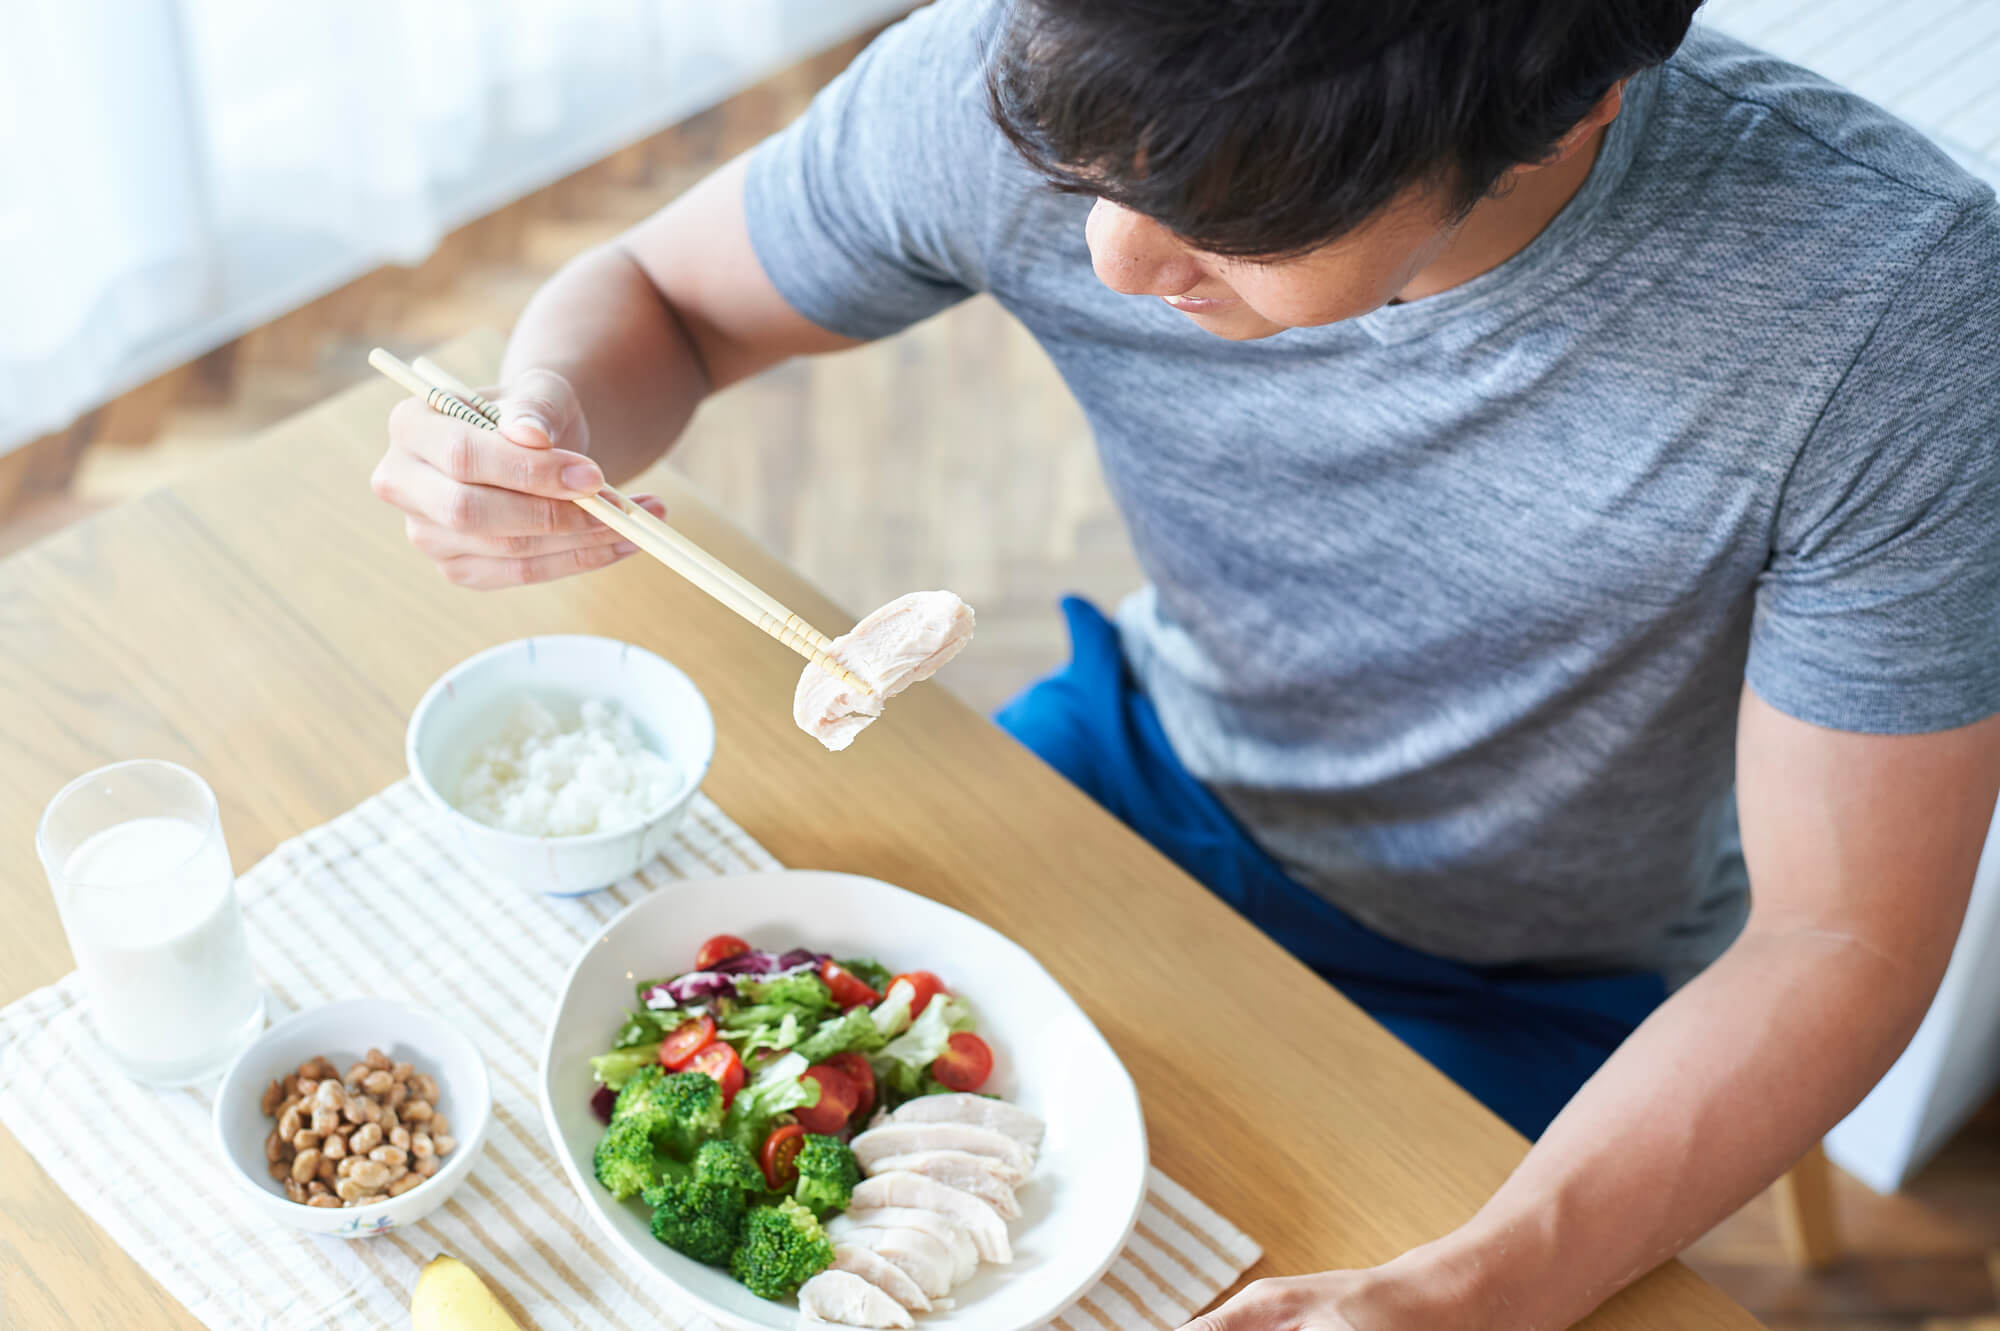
{"points": [[926, 985], [721, 1062], [779, 1158], [719, 948], [848, 989], [965, 1064], [836, 1100], [855, 1065], [685, 1041]]}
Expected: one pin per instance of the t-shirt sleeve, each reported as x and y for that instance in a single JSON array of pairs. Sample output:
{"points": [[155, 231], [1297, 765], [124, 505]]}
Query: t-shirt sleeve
{"points": [[1879, 610], [868, 212]]}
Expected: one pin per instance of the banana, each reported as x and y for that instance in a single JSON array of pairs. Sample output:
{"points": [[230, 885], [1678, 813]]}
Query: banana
{"points": [[450, 1296]]}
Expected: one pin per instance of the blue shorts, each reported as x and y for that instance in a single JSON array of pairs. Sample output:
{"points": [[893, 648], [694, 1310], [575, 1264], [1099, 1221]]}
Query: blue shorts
{"points": [[1519, 1039]]}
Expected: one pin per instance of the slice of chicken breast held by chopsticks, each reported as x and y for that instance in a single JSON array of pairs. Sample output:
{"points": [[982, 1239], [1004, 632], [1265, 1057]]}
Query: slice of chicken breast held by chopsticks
{"points": [[901, 644]]}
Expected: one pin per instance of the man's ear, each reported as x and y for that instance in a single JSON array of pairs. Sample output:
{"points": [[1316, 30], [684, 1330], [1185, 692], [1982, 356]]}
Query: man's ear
{"points": [[1602, 114]]}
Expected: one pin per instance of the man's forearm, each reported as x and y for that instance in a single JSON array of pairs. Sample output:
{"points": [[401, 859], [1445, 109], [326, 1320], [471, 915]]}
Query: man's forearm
{"points": [[1720, 1091], [602, 325]]}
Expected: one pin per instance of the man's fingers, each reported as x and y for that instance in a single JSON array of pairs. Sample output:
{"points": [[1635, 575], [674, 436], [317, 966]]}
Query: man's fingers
{"points": [[486, 457], [540, 410], [1261, 1305], [441, 543], [483, 510], [485, 573]]}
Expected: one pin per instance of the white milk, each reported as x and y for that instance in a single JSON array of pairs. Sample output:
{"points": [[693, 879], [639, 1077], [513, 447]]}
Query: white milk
{"points": [[150, 909]]}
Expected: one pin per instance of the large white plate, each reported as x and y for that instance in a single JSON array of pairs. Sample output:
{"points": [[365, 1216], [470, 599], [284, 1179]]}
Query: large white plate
{"points": [[1089, 1181]]}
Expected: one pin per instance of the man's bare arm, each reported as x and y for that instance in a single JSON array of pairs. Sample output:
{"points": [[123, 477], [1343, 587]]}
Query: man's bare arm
{"points": [[607, 364], [1861, 851], [645, 327]]}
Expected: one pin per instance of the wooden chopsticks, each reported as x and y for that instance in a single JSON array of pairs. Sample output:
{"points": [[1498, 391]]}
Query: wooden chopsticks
{"points": [[446, 395]]}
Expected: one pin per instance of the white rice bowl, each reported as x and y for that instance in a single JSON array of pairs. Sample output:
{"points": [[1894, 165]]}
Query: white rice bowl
{"points": [[540, 778]]}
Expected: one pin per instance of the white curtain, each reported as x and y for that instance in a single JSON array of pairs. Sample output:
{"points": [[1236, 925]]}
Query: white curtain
{"points": [[174, 172]]}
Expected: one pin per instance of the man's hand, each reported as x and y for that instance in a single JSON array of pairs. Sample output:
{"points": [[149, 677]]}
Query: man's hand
{"points": [[492, 509], [1412, 1293]]}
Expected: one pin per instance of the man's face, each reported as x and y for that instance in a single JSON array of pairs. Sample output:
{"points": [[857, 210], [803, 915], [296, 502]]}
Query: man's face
{"points": [[1241, 299]]}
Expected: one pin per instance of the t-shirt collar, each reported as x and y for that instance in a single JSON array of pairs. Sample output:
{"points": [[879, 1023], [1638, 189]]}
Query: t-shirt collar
{"points": [[1495, 294]]}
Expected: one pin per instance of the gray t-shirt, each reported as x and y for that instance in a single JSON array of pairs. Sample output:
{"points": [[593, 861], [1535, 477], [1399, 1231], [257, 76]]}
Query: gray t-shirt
{"points": [[1452, 603]]}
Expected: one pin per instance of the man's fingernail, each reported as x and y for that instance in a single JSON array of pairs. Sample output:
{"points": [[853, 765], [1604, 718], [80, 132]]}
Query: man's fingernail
{"points": [[624, 548], [583, 477], [532, 422]]}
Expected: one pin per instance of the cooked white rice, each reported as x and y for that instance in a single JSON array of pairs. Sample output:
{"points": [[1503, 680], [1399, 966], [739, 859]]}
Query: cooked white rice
{"points": [[540, 779]]}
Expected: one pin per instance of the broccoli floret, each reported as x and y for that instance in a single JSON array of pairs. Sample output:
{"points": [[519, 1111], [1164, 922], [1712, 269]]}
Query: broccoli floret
{"points": [[679, 1109], [827, 1174], [641, 1092], [702, 1219], [691, 1113], [800, 989], [625, 1159], [782, 1248], [726, 1164]]}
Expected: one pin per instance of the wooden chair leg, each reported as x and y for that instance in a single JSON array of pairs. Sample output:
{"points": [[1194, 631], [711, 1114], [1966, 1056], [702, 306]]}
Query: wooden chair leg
{"points": [[1805, 1212]]}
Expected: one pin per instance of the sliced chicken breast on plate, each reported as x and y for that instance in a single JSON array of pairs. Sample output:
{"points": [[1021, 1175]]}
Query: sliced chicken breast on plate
{"points": [[964, 1253], [899, 1189], [981, 1175], [882, 1273], [977, 1111], [895, 1138], [841, 1296], [923, 1257]]}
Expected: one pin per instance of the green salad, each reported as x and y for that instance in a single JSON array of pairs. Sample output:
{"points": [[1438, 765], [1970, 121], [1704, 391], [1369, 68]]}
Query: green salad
{"points": [[729, 1094]]}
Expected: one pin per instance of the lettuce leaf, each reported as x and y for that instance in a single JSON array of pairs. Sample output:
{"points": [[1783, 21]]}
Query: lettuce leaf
{"points": [[621, 1065], [919, 1046], [870, 972], [777, 1089], [800, 989], [854, 1029]]}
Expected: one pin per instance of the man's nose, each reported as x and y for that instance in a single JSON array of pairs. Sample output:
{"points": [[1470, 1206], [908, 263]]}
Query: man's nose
{"points": [[1135, 255]]}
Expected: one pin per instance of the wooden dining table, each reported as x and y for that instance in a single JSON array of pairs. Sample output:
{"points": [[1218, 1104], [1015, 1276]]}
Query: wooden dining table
{"points": [[263, 621]]}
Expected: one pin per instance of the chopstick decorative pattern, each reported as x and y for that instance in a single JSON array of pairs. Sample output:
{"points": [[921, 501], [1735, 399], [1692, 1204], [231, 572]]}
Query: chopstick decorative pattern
{"points": [[445, 394]]}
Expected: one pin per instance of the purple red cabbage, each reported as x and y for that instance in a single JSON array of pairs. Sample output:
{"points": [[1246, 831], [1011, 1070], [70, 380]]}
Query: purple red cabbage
{"points": [[690, 988], [601, 1101], [759, 962], [719, 981]]}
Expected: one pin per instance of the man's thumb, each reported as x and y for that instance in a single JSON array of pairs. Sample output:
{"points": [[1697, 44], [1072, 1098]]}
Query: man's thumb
{"points": [[539, 411]]}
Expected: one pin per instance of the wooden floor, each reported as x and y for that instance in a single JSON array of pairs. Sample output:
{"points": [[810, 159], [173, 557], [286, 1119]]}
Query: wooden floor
{"points": [[949, 457]]}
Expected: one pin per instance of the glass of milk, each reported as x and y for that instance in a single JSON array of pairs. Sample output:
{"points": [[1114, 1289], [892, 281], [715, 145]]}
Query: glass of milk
{"points": [[135, 854]]}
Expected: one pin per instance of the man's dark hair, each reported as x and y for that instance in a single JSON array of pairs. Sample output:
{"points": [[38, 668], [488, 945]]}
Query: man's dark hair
{"points": [[1265, 128]]}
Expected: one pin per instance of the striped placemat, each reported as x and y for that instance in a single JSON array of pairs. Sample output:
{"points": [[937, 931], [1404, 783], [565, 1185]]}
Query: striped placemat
{"points": [[375, 903]]}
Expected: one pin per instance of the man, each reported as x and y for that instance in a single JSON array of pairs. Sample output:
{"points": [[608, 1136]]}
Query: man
{"points": [[1528, 423]]}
